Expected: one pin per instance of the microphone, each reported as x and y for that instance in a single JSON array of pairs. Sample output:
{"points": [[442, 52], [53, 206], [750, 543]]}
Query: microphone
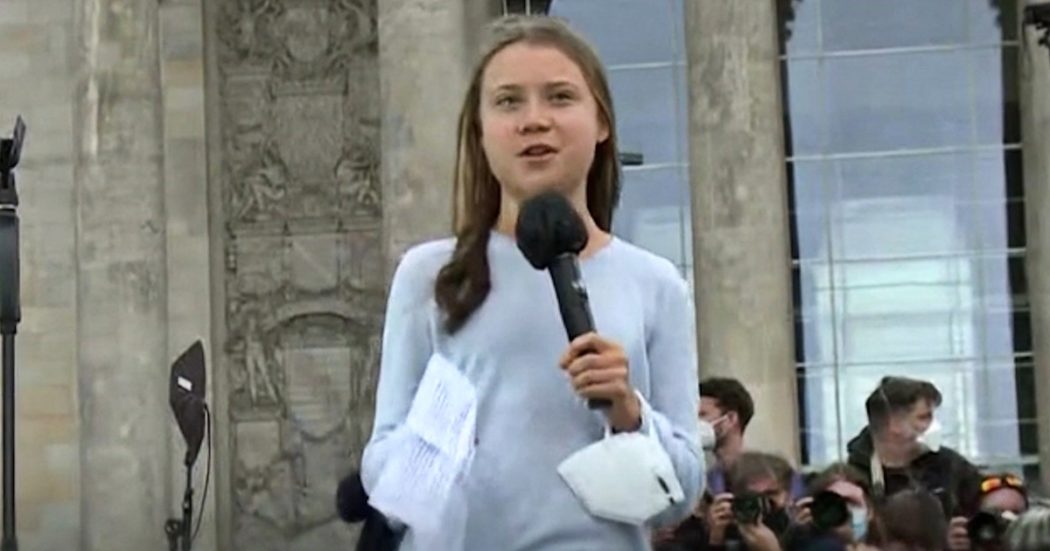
{"points": [[551, 234]]}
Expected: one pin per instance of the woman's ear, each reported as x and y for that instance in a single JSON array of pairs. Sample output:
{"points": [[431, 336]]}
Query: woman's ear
{"points": [[603, 130]]}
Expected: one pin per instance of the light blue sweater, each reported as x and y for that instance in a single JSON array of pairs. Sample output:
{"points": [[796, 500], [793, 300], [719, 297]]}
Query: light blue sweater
{"points": [[529, 419]]}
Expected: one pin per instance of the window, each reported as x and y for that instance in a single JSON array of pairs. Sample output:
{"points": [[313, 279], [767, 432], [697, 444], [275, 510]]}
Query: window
{"points": [[646, 69], [907, 207]]}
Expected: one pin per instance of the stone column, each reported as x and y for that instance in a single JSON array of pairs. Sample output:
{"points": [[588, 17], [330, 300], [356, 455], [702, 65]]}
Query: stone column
{"points": [[1035, 131], [121, 278], [740, 215], [187, 240], [426, 48]]}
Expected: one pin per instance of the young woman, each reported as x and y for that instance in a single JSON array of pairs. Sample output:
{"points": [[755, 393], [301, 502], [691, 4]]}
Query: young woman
{"points": [[538, 117]]}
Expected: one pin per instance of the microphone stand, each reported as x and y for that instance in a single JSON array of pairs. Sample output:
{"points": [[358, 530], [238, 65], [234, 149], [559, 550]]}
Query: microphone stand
{"points": [[10, 315]]}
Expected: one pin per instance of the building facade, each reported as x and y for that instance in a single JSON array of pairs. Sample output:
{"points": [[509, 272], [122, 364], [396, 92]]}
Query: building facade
{"points": [[854, 189]]}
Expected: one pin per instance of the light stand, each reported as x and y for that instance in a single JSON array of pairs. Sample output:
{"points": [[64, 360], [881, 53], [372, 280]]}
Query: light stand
{"points": [[10, 315], [186, 395]]}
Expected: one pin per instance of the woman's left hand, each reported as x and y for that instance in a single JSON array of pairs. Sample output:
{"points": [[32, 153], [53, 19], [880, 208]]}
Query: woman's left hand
{"points": [[597, 369]]}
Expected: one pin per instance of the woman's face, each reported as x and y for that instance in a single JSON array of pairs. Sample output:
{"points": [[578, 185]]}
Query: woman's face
{"points": [[539, 122]]}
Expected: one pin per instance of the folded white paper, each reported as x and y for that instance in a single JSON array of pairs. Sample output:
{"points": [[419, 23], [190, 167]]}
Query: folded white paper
{"points": [[422, 482]]}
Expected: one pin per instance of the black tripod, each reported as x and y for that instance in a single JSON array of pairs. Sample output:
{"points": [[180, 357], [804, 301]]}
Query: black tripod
{"points": [[10, 315]]}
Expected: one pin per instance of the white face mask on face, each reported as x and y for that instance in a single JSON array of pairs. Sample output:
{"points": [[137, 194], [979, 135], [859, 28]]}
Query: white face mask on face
{"points": [[708, 438], [932, 437], [859, 522]]}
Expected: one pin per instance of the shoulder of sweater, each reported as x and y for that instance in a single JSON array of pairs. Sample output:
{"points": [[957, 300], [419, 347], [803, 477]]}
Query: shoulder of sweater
{"points": [[647, 266], [649, 269], [425, 259]]}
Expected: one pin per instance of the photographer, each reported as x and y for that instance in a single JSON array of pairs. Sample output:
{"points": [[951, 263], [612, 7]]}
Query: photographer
{"points": [[726, 404], [755, 515], [836, 514], [1003, 499]]}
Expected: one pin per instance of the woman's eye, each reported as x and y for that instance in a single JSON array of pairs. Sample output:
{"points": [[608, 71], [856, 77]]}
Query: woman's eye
{"points": [[506, 101]]}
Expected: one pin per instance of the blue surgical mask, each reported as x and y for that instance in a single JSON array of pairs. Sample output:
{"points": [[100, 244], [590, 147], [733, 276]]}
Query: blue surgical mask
{"points": [[859, 522]]}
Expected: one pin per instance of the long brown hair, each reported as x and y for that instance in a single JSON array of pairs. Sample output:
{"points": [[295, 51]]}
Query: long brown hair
{"points": [[463, 284]]}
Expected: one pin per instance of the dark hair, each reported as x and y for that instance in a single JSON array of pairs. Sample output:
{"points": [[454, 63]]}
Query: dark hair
{"points": [[754, 466], [839, 472], [464, 283], [912, 519], [895, 395], [731, 396]]}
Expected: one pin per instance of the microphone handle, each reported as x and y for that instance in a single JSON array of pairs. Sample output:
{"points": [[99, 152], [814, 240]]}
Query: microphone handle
{"points": [[574, 305]]}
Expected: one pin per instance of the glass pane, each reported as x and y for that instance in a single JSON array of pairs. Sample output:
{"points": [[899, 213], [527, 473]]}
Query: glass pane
{"points": [[805, 107], [997, 176], [1003, 280], [901, 206], [810, 204], [993, 21], [996, 94], [650, 23], [892, 102], [996, 78], [800, 25], [647, 121], [652, 212], [864, 24]]}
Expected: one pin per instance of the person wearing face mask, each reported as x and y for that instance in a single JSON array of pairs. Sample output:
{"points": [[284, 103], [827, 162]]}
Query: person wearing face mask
{"points": [[836, 514], [750, 514], [727, 407], [900, 449]]}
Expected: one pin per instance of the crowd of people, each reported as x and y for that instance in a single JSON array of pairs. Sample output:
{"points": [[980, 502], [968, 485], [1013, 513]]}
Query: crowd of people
{"points": [[899, 488]]}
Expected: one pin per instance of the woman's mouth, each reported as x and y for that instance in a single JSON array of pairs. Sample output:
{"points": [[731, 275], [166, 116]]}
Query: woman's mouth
{"points": [[537, 152]]}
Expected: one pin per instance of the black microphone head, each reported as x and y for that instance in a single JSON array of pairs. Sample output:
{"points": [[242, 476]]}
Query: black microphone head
{"points": [[548, 226]]}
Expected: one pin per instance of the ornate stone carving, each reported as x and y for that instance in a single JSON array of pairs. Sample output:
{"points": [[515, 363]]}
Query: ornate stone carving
{"points": [[303, 268]]}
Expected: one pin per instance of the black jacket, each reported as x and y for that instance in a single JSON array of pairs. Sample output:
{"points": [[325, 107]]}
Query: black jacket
{"points": [[945, 473]]}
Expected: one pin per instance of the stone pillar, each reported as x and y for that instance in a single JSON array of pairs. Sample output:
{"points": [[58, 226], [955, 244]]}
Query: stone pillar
{"points": [[121, 279], [740, 215], [1035, 131], [426, 48], [186, 229]]}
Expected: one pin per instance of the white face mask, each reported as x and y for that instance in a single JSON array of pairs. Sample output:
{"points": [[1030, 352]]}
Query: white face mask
{"points": [[859, 522], [708, 438], [626, 477], [931, 439]]}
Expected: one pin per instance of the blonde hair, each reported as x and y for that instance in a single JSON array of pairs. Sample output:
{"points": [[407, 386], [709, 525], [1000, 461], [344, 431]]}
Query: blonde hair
{"points": [[463, 284]]}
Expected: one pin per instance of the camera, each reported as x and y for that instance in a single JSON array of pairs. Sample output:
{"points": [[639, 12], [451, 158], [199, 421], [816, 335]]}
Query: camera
{"points": [[829, 511], [748, 508], [987, 528]]}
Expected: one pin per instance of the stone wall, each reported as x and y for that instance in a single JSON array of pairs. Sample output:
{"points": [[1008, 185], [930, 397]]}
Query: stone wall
{"points": [[296, 211]]}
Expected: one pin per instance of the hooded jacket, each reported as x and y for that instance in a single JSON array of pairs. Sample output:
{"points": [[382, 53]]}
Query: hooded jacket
{"points": [[944, 473]]}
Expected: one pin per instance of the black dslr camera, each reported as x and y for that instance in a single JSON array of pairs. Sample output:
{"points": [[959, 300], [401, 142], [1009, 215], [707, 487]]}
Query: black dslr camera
{"points": [[749, 507], [829, 511], [986, 529]]}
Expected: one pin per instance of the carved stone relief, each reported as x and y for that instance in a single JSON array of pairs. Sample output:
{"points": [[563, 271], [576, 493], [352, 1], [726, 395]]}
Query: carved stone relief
{"points": [[301, 205]]}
